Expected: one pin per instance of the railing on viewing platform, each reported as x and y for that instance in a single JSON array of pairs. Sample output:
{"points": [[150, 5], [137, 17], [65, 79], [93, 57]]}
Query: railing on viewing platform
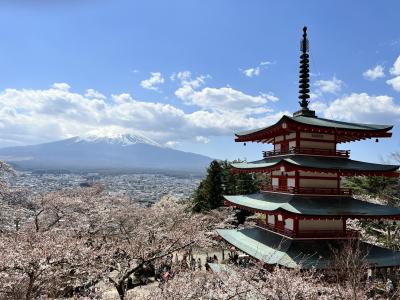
{"points": [[307, 190], [348, 233], [310, 151]]}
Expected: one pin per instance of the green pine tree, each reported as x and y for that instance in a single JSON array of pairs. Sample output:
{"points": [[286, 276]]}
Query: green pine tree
{"points": [[221, 181], [209, 193]]}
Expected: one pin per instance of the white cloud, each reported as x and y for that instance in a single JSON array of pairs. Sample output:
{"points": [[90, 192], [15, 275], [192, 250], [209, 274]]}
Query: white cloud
{"points": [[91, 93], [255, 71], [329, 86], [395, 83], [270, 97], [375, 73], [153, 82], [171, 144], [251, 72], [202, 139], [30, 116], [369, 109], [224, 99], [395, 70], [61, 86]]}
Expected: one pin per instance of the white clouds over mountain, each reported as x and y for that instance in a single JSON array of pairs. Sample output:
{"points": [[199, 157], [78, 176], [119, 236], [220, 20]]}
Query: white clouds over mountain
{"points": [[31, 116]]}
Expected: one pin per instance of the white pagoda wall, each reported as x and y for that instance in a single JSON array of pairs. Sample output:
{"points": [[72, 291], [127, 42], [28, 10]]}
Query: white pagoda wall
{"points": [[320, 225], [329, 138], [318, 183], [317, 145]]}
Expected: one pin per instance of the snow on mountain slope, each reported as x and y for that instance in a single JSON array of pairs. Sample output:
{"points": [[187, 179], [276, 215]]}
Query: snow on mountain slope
{"points": [[117, 151], [123, 139]]}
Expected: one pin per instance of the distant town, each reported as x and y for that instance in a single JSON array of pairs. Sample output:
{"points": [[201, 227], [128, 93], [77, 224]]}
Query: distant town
{"points": [[145, 188]]}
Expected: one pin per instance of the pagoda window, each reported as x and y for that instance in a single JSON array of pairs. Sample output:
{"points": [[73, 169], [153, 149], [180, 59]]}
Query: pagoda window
{"points": [[275, 182], [279, 222], [271, 219], [291, 182], [292, 144], [289, 224], [277, 147]]}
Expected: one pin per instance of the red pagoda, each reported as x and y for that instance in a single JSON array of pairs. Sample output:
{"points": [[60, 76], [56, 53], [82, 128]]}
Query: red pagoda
{"points": [[304, 205]]}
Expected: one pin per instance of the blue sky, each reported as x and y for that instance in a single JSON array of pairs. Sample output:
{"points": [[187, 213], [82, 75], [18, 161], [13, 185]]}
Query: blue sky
{"points": [[189, 73]]}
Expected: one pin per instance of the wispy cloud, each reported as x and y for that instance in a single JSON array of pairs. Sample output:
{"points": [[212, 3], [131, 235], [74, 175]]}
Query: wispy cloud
{"points": [[255, 71]]}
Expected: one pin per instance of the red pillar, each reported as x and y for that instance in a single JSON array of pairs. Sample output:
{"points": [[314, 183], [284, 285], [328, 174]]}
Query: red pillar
{"points": [[296, 226], [344, 224]]}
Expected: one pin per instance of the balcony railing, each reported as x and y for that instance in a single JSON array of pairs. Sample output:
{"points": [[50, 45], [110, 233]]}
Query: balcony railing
{"points": [[307, 190], [310, 151], [348, 233]]}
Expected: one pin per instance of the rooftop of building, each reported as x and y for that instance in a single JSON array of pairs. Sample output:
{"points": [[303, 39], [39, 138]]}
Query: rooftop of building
{"points": [[276, 249], [313, 205], [310, 162]]}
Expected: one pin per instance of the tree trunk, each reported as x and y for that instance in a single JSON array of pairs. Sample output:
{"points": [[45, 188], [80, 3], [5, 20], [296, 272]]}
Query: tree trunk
{"points": [[121, 290], [29, 290]]}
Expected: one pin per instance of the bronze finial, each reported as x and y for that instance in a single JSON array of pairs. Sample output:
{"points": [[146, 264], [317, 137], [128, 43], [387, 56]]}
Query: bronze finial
{"points": [[304, 83]]}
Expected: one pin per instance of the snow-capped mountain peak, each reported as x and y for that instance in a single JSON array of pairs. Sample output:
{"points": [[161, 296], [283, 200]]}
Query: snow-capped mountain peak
{"points": [[123, 139]]}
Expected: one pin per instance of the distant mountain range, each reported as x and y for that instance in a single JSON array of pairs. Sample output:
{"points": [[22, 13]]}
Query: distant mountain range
{"points": [[116, 152]]}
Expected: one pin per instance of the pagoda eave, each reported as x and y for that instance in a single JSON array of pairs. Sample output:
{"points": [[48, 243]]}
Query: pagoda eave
{"points": [[289, 168], [287, 214], [274, 249], [287, 124]]}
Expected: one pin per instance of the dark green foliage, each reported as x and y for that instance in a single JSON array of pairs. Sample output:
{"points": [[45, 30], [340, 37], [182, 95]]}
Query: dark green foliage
{"points": [[209, 193], [238, 184], [221, 181], [374, 186]]}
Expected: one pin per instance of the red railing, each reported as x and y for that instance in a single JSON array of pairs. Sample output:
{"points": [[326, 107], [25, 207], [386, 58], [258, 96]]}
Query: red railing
{"points": [[307, 190], [348, 233], [311, 151]]}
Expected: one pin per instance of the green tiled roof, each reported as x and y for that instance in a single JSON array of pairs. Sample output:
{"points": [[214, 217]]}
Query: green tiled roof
{"points": [[272, 248], [319, 162], [313, 205], [320, 122]]}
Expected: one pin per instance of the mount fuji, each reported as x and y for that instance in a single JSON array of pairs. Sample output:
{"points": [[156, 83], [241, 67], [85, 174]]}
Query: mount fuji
{"points": [[110, 152]]}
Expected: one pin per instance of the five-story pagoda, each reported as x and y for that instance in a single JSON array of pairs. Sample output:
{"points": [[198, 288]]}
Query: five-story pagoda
{"points": [[304, 205]]}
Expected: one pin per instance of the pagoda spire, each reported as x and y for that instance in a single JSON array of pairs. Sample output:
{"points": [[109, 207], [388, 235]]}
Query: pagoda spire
{"points": [[304, 82]]}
